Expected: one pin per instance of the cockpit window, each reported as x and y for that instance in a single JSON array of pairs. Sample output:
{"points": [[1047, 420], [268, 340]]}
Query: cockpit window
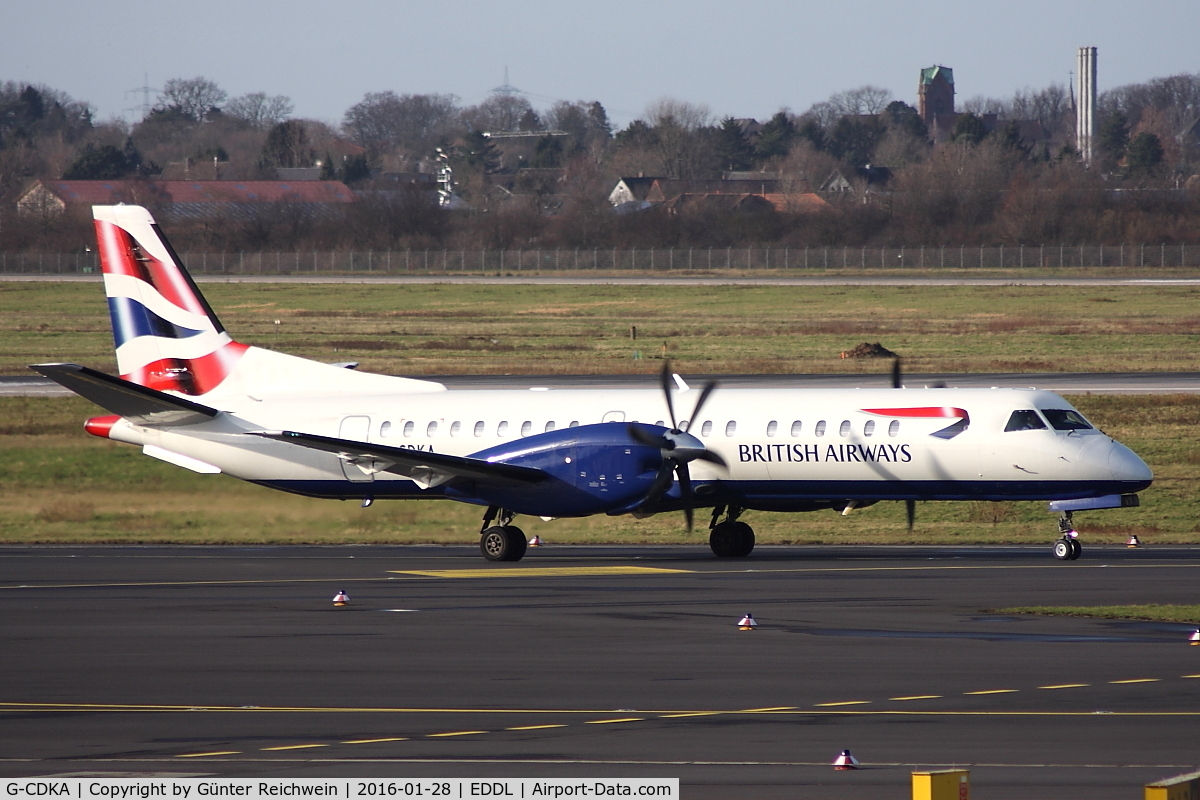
{"points": [[1066, 419], [1025, 420]]}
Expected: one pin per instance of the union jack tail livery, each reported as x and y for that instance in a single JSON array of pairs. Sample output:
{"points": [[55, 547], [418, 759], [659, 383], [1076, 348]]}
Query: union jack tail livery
{"points": [[167, 337]]}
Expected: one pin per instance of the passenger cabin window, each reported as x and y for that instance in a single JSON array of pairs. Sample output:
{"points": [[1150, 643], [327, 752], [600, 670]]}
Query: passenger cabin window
{"points": [[730, 427], [502, 429], [526, 428], [455, 428], [796, 426], [1066, 419], [844, 429], [772, 427], [549, 426], [706, 428], [385, 430], [431, 429], [869, 428], [408, 428], [893, 427], [1025, 420], [820, 429], [479, 428], [574, 424]]}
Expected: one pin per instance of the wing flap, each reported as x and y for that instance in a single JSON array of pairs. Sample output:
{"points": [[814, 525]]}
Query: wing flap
{"points": [[140, 404], [424, 468]]}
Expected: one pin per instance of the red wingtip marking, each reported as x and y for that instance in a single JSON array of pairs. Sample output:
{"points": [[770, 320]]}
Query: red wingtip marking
{"points": [[101, 426]]}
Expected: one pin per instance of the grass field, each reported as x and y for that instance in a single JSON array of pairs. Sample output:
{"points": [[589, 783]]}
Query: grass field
{"points": [[1158, 613], [461, 329]]}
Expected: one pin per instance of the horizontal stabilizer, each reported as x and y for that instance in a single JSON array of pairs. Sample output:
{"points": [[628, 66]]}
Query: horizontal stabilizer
{"points": [[424, 468], [118, 396]]}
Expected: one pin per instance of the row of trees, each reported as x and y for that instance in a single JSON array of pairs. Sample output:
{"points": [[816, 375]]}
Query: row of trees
{"points": [[957, 192]]}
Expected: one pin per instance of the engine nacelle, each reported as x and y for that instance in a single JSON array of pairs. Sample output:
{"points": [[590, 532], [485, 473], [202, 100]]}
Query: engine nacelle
{"points": [[595, 469]]}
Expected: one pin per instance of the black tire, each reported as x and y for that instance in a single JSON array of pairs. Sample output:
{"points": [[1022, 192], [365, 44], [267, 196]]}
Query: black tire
{"points": [[1076, 550], [495, 544], [723, 540], [1063, 550], [516, 543], [745, 536], [731, 540]]}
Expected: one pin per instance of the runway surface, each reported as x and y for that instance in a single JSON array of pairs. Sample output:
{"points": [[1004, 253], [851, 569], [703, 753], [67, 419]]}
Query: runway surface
{"points": [[601, 661], [1063, 383]]}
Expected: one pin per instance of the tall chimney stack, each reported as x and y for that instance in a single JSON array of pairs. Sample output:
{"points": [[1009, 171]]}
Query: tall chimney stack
{"points": [[1085, 111]]}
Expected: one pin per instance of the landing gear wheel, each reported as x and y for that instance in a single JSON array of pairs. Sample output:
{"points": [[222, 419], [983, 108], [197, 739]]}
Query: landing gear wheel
{"points": [[1064, 549], [731, 540], [494, 544], [503, 543], [1076, 549], [516, 542]]}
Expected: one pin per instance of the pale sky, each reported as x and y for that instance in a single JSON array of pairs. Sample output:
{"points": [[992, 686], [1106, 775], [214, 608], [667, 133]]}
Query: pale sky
{"points": [[744, 59]]}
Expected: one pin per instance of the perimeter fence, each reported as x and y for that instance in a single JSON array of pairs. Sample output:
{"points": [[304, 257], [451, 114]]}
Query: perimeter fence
{"points": [[399, 262]]}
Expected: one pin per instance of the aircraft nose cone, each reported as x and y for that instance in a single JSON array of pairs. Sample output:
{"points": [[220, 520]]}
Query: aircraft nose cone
{"points": [[1127, 466]]}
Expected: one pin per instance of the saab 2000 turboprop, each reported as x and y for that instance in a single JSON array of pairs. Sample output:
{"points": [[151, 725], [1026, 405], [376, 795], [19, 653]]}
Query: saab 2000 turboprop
{"points": [[190, 395]]}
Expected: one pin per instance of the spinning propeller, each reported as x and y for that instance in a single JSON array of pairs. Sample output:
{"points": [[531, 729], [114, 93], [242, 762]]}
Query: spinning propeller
{"points": [[678, 448]]}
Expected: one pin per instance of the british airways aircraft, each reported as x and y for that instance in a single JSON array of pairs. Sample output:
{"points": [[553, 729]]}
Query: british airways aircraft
{"points": [[190, 395]]}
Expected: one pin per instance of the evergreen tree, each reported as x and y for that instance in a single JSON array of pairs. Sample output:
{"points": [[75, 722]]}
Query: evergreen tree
{"points": [[734, 152], [478, 151], [901, 115], [1144, 154], [776, 137], [968, 129], [103, 163], [356, 169], [1113, 137], [328, 170]]}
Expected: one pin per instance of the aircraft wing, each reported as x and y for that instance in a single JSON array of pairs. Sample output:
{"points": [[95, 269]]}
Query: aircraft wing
{"points": [[130, 400], [424, 468]]}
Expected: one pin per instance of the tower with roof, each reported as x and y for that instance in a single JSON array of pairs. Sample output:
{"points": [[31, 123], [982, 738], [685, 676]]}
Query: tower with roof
{"points": [[935, 94]]}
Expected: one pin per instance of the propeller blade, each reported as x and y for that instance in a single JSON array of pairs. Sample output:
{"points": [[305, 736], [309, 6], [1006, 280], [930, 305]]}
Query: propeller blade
{"points": [[704, 393], [647, 438], [897, 382], [662, 481], [713, 458], [666, 382], [910, 511], [685, 492]]}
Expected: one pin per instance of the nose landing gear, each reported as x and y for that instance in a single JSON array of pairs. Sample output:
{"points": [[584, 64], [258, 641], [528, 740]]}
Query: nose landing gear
{"points": [[1067, 548]]}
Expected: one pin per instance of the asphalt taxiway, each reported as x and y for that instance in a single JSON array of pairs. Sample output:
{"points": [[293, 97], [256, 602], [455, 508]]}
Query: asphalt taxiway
{"points": [[601, 662]]}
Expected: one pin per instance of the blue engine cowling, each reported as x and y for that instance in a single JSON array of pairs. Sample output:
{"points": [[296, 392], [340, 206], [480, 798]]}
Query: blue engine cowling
{"points": [[591, 469]]}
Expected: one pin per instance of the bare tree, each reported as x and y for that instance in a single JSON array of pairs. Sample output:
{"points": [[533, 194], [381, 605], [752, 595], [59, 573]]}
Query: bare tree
{"points": [[863, 100], [678, 127], [259, 110], [194, 97], [499, 113], [416, 123], [980, 105]]}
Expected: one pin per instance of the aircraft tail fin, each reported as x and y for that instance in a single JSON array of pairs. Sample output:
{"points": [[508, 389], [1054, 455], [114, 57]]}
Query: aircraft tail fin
{"points": [[167, 336], [169, 339]]}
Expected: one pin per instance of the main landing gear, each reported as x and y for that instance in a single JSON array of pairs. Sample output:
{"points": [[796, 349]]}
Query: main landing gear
{"points": [[1067, 548], [503, 541], [730, 539]]}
